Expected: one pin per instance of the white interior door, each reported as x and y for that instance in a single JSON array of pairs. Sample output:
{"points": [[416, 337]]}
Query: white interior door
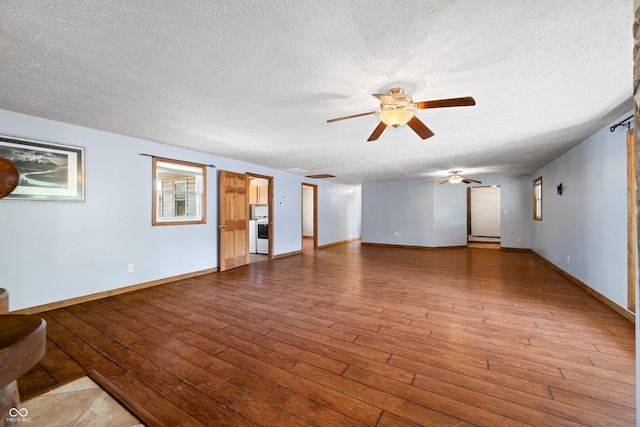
{"points": [[485, 211]]}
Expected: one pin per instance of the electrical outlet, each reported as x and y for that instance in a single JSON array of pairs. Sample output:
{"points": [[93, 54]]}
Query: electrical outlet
{"points": [[130, 268], [568, 259], [397, 233]]}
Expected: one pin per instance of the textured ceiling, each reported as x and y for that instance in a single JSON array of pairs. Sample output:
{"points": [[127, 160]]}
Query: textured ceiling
{"points": [[256, 80]]}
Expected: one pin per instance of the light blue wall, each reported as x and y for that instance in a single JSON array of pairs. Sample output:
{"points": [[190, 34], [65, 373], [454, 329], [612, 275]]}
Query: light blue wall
{"points": [[339, 214], [588, 223], [430, 214], [52, 251], [405, 207], [449, 214]]}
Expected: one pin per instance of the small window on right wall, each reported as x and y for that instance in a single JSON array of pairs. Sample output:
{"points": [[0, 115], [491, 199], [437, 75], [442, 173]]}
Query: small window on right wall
{"points": [[537, 199]]}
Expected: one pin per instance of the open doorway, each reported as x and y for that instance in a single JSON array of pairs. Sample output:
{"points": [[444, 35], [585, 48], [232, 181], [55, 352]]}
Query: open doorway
{"points": [[309, 217], [260, 201], [483, 215]]}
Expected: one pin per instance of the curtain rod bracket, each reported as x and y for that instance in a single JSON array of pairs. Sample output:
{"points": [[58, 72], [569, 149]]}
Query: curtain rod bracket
{"points": [[151, 155], [625, 123]]}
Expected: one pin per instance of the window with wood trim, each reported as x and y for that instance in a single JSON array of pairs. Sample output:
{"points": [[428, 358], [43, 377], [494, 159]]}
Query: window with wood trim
{"points": [[179, 192], [537, 199]]}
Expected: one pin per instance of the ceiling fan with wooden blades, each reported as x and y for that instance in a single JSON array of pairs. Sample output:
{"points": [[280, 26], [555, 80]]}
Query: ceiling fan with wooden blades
{"points": [[396, 109], [455, 178]]}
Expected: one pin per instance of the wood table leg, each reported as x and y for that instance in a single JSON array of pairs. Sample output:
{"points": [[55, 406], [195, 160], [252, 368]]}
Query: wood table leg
{"points": [[10, 411]]}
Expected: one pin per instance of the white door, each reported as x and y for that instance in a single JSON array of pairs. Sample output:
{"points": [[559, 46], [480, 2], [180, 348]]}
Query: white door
{"points": [[485, 211]]}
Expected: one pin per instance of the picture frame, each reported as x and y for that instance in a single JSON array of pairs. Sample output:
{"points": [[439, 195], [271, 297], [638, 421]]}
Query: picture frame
{"points": [[49, 171]]}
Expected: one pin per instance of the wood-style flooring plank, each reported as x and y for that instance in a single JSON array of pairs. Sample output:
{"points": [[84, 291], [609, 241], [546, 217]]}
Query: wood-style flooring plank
{"points": [[36, 381], [158, 405], [194, 348], [390, 420], [437, 413], [275, 358], [104, 325], [87, 356], [606, 410], [153, 373], [57, 362], [357, 335], [336, 400], [306, 410], [315, 358], [198, 404], [520, 405]]}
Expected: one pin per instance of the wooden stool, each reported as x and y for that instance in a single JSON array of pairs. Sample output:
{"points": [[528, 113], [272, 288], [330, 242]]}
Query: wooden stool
{"points": [[23, 341], [4, 301]]}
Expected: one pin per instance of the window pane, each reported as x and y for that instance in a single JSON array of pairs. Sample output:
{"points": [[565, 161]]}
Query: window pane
{"points": [[179, 194], [537, 199]]}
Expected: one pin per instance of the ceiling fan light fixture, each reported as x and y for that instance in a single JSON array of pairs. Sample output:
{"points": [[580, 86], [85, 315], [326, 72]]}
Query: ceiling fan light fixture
{"points": [[455, 178], [396, 117]]}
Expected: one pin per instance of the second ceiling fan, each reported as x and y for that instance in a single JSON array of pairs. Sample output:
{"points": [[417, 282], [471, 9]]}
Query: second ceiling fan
{"points": [[396, 110], [455, 178]]}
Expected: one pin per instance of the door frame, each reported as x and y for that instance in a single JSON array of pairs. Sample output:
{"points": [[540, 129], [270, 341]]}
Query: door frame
{"points": [[631, 222], [315, 213], [270, 206]]}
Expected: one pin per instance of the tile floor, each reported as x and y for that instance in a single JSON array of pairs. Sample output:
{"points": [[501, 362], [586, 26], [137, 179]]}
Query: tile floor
{"points": [[79, 403]]}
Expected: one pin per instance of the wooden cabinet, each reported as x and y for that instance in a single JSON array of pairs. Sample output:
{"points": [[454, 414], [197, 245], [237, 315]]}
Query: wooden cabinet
{"points": [[263, 195], [258, 195]]}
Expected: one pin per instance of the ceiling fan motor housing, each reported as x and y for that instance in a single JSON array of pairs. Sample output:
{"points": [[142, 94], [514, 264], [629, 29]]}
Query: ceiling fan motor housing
{"points": [[400, 100]]}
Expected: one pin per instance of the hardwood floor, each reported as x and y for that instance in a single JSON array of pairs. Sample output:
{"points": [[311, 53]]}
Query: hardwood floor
{"points": [[358, 336], [484, 245], [307, 243]]}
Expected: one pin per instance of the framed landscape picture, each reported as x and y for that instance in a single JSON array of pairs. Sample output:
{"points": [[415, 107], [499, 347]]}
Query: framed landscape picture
{"points": [[48, 171]]}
